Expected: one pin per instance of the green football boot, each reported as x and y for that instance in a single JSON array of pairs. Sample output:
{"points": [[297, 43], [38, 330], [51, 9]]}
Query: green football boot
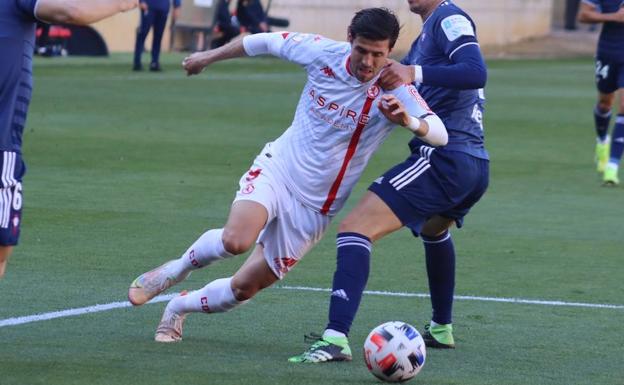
{"points": [[610, 176], [325, 349], [439, 336], [602, 156]]}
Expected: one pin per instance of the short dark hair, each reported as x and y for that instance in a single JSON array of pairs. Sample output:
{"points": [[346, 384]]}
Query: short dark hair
{"points": [[375, 24]]}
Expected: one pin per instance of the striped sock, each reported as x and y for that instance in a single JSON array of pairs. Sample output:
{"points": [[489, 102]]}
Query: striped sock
{"points": [[352, 267], [602, 119], [617, 141]]}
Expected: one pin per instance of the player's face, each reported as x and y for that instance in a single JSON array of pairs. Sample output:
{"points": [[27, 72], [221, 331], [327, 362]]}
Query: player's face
{"points": [[368, 57]]}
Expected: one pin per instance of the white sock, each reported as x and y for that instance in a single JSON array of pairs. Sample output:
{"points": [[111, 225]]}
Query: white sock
{"points": [[215, 297], [333, 333], [207, 249]]}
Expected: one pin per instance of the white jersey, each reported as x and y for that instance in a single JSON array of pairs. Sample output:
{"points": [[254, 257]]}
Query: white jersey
{"points": [[337, 125]]}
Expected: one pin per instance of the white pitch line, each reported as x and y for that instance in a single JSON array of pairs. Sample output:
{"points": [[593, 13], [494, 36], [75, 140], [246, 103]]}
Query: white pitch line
{"points": [[76, 311], [471, 298], [162, 298]]}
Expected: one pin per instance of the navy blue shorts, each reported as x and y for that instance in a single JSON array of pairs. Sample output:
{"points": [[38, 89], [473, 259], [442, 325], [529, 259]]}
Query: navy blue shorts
{"points": [[609, 75], [433, 182], [12, 170]]}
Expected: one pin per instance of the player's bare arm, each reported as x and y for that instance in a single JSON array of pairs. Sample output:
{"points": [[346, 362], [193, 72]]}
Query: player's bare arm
{"points": [[430, 129], [196, 62], [79, 11], [590, 14]]}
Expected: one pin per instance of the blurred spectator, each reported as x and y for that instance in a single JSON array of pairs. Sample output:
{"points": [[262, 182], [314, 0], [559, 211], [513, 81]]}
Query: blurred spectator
{"points": [[225, 30], [251, 16], [153, 14], [571, 9]]}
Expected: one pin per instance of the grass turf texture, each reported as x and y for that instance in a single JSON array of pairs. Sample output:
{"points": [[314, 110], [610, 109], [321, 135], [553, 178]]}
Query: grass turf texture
{"points": [[128, 169]]}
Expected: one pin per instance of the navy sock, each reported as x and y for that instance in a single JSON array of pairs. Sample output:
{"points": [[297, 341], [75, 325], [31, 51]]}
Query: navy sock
{"points": [[602, 120], [352, 267], [440, 256], [617, 141]]}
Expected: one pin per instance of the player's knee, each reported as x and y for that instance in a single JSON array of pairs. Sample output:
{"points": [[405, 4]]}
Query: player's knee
{"points": [[244, 290], [604, 105], [234, 243]]}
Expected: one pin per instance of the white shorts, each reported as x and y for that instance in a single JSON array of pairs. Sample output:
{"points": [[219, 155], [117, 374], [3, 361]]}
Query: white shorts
{"points": [[292, 228]]}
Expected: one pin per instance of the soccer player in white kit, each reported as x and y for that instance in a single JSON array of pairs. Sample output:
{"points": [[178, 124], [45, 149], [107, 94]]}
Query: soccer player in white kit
{"points": [[302, 179]]}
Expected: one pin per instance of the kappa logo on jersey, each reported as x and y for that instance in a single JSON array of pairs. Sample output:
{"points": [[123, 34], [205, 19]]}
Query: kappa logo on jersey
{"points": [[416, 95], [373, 91], [253, 174], [328, 71]]}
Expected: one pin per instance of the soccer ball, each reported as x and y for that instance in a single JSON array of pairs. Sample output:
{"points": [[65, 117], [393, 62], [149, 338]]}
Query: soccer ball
{"points": [[394, 351]]}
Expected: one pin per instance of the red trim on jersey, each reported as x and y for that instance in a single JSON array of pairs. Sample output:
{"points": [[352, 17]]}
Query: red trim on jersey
{"points": [[285, 35], [333, 191], [348, 65]]}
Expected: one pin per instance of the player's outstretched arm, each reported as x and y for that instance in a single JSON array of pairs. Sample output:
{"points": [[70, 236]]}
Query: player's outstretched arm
{"points": [[196, 62], [80, 12], [430, 128], [250, 45], [590, 14]]}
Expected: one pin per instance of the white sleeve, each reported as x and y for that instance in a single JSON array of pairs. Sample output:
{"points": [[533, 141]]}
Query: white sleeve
{"points": [[299, 48], [263, 44], [437, 135], [416, 107]]}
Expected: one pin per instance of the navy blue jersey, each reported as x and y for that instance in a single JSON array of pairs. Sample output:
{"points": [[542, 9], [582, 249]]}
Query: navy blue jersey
{"points": [[447, 30], [17, 43], [162, 5], [611, 41]]}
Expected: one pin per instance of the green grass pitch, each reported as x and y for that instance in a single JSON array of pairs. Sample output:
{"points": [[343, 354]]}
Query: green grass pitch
{"points": [[128, 169]]}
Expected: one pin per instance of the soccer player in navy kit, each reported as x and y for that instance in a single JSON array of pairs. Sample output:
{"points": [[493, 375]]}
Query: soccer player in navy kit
{"points": [[609, 79], [154, 15], [18, 19], [430, 190]]}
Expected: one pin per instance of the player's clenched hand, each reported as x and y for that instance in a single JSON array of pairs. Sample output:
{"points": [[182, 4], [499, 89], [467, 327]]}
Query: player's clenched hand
{"points": [[393, 110], [195, 63], [396, 74]]}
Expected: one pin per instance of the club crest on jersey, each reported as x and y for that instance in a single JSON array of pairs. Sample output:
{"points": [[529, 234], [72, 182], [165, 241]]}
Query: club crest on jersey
{"points": [[373, 91]]}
